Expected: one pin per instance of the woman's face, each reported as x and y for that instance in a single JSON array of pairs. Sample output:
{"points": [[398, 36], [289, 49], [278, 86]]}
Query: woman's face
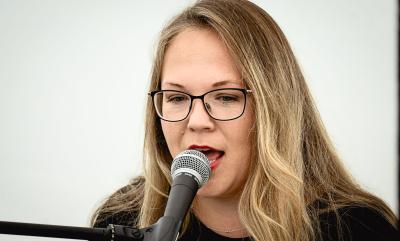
{"points": [[196, 62]]}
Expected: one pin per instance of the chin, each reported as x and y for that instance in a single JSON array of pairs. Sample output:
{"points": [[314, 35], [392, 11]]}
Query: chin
{"points": [[216, 190], [210, 190]]}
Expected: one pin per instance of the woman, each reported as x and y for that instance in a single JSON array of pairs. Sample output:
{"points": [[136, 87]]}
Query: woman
{"points": [[275, 174]]}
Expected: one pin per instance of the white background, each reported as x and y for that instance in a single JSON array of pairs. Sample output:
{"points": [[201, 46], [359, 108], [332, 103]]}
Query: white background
{"points": [[74, 77]]}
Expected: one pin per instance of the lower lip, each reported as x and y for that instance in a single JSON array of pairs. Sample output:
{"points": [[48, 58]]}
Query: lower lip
{"points": [[214, 164]]}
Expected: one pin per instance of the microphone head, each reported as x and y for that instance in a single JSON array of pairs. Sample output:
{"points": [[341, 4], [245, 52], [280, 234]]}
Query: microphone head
{"points": [[193, 162]]}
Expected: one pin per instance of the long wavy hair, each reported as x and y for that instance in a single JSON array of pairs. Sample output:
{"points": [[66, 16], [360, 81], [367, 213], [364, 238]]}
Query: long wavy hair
{"points": [[294, 164]]}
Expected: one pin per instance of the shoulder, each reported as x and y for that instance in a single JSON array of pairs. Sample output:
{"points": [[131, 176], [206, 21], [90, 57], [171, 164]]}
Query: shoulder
{"points": [[356, 223], [122, 207]]}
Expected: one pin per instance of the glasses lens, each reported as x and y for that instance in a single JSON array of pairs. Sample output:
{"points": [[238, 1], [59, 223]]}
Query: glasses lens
{"points": [[225, 104], [172, 105]]}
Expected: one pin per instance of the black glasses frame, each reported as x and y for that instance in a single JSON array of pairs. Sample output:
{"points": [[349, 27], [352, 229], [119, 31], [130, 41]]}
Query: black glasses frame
{"points": [[201, 97]]}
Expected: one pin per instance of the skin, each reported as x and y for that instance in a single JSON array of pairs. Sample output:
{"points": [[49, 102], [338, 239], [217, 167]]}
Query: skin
{"points": [[197, 61]]}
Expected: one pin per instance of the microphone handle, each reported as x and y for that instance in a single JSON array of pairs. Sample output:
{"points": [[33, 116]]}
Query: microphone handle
{"points": [[183, 190], [181, 195]]}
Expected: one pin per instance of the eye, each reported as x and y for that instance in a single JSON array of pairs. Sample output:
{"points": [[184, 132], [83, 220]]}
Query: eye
{"points": [[227, 98], [176, 99]]}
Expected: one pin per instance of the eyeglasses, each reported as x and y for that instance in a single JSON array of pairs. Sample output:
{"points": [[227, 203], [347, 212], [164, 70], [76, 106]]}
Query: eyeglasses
{"points": [[221, 104]]}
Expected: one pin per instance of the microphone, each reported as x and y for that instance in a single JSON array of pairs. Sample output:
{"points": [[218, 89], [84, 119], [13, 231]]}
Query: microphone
{"points": [[190, 170]]}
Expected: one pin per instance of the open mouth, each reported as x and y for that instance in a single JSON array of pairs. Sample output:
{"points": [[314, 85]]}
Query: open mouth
{"points": [[214, 156]]}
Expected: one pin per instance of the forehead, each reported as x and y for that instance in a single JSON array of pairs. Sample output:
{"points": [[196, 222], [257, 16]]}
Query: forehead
{"points": [[198, 56]]}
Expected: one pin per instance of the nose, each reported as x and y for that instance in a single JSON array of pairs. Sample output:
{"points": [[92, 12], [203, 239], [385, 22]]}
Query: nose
{"points": [[198, 119]]}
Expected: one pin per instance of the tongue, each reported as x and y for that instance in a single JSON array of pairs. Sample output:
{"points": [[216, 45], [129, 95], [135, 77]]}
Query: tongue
{"points": [[213, 155]]}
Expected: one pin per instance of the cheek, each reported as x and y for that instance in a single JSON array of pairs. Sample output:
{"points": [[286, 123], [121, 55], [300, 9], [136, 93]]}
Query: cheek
{"points": [[173, 136], [240, 141], [242, 135]]}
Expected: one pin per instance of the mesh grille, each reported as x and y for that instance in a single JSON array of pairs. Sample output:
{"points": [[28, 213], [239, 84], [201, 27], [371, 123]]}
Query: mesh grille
{"points": [[194, 160]]}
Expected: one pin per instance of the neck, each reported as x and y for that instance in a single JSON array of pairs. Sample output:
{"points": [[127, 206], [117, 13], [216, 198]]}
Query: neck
{"points": [[220, 215]]}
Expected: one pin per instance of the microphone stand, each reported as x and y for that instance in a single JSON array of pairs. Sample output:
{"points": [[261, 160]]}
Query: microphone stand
{"points": [[111, 233], [166, 229]]}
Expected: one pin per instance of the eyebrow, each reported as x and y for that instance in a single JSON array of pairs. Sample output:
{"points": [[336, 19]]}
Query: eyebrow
{"points": [[225, 82], [217, 84]]}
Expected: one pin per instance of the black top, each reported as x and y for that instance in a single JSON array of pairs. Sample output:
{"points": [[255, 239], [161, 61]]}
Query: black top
{"points": [[357, 224]]}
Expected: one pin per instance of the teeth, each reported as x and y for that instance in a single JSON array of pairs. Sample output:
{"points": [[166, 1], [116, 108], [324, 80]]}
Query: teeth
{"points": [[202, 149]]}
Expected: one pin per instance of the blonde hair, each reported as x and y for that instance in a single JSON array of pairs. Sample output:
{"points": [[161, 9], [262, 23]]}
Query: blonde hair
{"points": [[294, 164]]}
